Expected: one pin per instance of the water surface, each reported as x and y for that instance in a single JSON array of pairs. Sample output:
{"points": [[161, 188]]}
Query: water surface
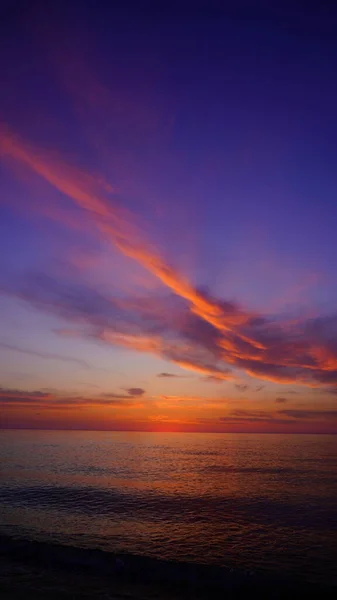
{"points": [[263, 503]]}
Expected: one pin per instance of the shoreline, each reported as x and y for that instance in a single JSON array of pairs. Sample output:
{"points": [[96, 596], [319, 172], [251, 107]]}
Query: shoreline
{"points": [[73, 570]]}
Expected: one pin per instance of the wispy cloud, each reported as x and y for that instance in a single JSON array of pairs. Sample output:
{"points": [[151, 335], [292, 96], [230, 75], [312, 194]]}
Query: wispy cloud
{"points": [[280, 417], [44, 355], [309, 414], [48, 400], [15, 395], [168, 375], [252, 419], [212, 379], [206, 335], [280, 400], [252, 414]]}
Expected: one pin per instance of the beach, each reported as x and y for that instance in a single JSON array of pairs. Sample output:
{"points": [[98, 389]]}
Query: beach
{"points": [[39, 570]]}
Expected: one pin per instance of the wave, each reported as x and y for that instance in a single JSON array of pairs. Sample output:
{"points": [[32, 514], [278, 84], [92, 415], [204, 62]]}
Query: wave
{"points": [[102, 502], [142, 569]]}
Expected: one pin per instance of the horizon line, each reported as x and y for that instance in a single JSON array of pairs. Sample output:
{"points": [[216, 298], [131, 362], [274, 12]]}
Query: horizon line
{"points": [[171, 431]]}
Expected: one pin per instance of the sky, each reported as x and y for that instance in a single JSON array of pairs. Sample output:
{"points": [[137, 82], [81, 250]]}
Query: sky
{"points": [[168, 211]]}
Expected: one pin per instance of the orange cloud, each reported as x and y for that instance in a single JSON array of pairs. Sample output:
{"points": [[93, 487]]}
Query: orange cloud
{"points": [[189, 365], [87, 193], [234, 336], [40, 409]]}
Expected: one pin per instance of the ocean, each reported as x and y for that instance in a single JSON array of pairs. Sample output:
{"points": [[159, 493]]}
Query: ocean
{"points": [[259, 504]]}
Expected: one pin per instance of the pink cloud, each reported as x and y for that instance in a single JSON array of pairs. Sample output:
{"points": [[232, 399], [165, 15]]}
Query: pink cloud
{"points": [[205, 334]]}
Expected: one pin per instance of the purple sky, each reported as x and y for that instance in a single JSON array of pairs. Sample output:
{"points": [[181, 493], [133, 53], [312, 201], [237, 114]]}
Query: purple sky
{"points": [[168, 206]]}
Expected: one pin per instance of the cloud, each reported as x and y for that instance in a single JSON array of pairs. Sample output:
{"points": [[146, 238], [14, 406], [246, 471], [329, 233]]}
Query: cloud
{"points": [[332, 390], [252, 414], [118, 226], [131, 392], [201, 333], [281, 417], [132, 323], [167, 419], [8, 395], [309, 414], [212, 379], [280, 400], [49, 400], [194, 364], [167, 375], [115, 396], [253, 419], [274, 417], [44, 355], [136, 391], [241, 387]]}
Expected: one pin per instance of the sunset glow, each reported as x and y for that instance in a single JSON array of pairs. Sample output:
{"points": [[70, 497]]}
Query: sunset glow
{"points": [[163, 267]]}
